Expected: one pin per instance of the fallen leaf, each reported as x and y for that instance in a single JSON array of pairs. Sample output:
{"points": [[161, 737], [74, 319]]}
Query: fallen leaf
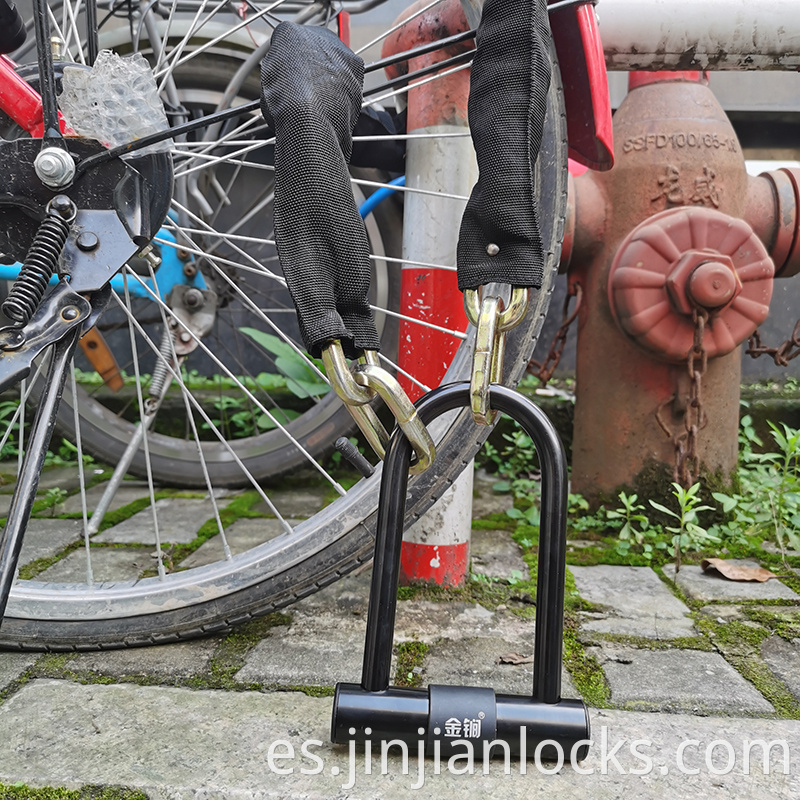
{"points": [[735, 572], [514, 658]]}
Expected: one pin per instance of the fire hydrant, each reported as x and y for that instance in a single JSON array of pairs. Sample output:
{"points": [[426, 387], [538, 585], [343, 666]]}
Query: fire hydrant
{"points": [[675, 250]]}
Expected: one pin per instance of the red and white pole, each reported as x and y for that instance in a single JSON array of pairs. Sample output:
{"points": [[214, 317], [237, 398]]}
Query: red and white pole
{"points": [[436, 548]]}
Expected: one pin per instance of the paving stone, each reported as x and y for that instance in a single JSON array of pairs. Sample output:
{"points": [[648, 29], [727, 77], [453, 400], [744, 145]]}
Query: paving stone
{"points": [[12, 665], [473, 662], [127, 493], [316, 650], [323, 645], [241, 535], [108, 564], [772, 547], [179, 744], [45, 537], [495, 553], [348, 594], [66, 478], [429, 621], [164, 662], [485, 500], [179, 519], [710, 587], [723, 613], [677, 680], [298, 503], [5, 504], [783, 659], [634, 601]]}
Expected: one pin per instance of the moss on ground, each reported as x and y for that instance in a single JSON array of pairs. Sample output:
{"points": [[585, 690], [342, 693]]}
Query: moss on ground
{"points": [[410, 658], [645, 643], [231, 653], [740, 645], [20, 791]]}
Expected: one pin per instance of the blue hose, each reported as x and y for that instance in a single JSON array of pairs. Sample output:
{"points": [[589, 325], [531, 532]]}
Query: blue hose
{"points": [[368, 206]]}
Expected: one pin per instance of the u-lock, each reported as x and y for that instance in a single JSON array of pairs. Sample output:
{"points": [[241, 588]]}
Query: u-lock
{"points": [[447, 716]]}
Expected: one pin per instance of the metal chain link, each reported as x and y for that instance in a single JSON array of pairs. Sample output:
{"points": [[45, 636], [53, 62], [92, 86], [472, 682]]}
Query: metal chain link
{"points": [[687, 460], [544, 370], [782, 354]]}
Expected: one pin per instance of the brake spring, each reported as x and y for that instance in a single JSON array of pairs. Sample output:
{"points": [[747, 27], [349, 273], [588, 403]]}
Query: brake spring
{"points": [[41, 261], [164, 360]]}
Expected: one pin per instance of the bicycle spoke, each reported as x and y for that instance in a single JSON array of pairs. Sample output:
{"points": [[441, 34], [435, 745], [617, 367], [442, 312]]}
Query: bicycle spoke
{"points": [[243, 388], [199, 409], [196, 438], [150, 487], [84, 509], [179, 60], [397, 27]]}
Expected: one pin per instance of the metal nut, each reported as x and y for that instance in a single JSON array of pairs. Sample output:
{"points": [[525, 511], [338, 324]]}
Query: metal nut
{"points": [[54, 167]]}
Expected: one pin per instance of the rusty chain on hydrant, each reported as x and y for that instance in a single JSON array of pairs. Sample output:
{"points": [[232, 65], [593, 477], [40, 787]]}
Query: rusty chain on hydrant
{"points": [[782, 354], [687, 461], [544, 370]]}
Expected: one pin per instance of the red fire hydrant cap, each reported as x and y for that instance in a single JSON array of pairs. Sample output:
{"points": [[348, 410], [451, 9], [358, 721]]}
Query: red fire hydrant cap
{"points": [[685, 258]]}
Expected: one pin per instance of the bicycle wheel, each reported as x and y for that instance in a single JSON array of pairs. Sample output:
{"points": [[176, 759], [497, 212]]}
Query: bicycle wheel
{"points": [[181, 600]]}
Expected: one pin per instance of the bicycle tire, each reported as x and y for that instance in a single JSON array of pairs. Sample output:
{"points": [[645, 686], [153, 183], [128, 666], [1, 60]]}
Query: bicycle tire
{"points": [[332, 542]]}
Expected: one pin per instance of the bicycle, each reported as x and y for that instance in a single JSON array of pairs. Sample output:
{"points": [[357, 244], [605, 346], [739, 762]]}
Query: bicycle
{"points": [[178, 604]]}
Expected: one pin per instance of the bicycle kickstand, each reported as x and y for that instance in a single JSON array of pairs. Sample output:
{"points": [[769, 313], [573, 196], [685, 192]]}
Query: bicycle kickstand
{"points": [[28, 482]]}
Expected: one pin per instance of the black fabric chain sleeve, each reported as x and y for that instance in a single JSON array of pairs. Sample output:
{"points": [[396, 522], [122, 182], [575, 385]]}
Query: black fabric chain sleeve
{"points": [[507, 104], [311, 91]]}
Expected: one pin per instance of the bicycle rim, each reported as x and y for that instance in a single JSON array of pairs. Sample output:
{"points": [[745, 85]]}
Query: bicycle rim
{"points": [[299, 552]]}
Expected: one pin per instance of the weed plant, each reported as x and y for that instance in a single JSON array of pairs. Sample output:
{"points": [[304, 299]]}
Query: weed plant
{"points": [[764, 507]]}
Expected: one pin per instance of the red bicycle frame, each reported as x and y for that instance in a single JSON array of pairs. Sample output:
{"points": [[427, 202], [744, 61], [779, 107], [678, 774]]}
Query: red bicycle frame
{"points": [[22, 103], [583, 73]]}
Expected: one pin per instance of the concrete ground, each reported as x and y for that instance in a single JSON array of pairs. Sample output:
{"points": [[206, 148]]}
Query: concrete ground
{"points": [[690, 679]]}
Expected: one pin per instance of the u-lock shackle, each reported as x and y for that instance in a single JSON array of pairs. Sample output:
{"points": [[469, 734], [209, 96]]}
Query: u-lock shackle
{"points": [[448, 715]]}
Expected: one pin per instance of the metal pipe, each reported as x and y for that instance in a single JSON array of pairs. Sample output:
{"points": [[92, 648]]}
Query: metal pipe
{"points": [[700, 34]]}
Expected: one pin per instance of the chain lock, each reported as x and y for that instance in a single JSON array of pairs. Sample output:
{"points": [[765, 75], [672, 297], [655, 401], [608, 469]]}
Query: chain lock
{"points": [[359, 387], [493, 320]]}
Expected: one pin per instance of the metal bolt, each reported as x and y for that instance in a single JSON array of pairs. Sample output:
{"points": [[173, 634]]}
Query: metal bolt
{"points": [[492, 249], [193, 298], [57, 47], [87, 241], [182, 253], [186, 337], [189, 270], [54, 167], [151, 256], [63, 206], [69, 313]]}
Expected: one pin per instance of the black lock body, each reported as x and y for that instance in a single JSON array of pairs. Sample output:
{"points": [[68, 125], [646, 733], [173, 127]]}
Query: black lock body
{"points": [[443, 716]]}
